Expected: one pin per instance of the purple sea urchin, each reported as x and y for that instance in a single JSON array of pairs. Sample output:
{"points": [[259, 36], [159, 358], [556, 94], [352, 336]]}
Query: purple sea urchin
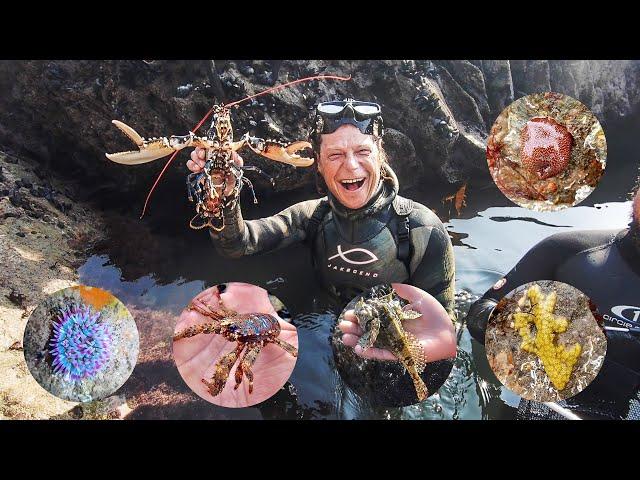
{"points": [[80, 347]]}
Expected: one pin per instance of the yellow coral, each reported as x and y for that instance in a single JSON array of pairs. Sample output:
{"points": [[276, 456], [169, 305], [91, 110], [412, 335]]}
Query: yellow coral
{"points": [[557, 360]]}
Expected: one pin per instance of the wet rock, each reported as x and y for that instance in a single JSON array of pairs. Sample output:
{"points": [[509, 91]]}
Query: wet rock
{"points": [[530, 76], [16, 198], [79, 120], [17, 298], [467, 74], [402, 157], [499, 85], [183, 90], [246, 69], [462, 104]]}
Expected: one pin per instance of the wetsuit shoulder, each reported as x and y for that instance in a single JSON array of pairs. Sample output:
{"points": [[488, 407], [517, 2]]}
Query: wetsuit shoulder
{"points": [[540, 263], [423, 216], [432, 263]]}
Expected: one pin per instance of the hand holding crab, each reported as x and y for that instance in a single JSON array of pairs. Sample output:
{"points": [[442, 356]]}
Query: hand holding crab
{"points": [[228, 373], [433, 329]]}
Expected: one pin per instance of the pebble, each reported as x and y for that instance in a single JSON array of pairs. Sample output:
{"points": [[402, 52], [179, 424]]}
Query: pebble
{"points": [[61, 225], [20, 234]]}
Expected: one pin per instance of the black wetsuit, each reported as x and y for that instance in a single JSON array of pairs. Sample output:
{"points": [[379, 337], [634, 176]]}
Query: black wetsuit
{"points": [[353, 250], [604, 265]]}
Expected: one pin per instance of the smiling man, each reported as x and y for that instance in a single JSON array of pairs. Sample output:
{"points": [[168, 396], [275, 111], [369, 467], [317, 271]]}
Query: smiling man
{"points": [[604, 265], [362, 233]]}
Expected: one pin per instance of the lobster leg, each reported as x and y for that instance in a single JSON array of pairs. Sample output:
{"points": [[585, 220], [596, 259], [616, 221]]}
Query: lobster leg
{"points": [[246, 362], [196, 330], [257, 170], [206, 310], [223, 367], [287, 347]]}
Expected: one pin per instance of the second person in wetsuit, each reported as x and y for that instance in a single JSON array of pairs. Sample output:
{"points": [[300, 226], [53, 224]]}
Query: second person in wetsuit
{"points": [[605, 266]]}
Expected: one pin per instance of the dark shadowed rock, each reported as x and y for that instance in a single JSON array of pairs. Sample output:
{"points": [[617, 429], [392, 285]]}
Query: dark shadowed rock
{"points": [[59, 112]]}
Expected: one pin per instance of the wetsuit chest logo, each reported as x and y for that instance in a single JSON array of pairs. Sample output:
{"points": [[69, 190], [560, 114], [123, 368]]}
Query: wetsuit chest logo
{"points": [[360, 253], [354, 256]]}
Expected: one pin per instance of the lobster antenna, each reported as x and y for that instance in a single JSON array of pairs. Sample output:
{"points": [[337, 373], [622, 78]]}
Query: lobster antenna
{"points": [[264, 92], [273, 89], [293, 82]]}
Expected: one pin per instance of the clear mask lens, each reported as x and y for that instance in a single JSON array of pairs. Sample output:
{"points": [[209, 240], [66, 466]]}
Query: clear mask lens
{"points": [[366, 109], [330, 109]]}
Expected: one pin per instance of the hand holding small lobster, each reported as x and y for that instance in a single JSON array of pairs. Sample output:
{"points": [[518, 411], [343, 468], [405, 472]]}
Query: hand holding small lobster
{"points": [[198, 160], [197, 357]]}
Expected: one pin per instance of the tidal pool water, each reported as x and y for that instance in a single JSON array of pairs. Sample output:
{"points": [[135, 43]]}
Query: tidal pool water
{"points": [[489, 236]]}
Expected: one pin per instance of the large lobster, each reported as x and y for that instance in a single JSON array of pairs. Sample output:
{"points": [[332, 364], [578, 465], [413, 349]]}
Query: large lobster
{"points": [[210, 197]]}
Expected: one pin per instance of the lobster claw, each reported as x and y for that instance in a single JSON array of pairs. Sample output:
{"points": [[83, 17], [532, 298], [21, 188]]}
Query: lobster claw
{"points": [[149, 149], [281, 152]]}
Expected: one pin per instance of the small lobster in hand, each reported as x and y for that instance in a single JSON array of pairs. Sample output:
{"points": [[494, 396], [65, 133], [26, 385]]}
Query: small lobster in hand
{"points": [[251, 331], [210, 197]]}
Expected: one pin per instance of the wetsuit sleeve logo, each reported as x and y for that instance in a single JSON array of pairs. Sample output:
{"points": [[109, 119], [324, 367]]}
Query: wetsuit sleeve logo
{"points": [[619, 309], [343, 256]]}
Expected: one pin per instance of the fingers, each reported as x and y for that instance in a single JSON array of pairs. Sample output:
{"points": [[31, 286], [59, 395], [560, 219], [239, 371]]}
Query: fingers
{"points": [[197, 161], [374, 353], [237, 159], [351, 328], [409, 292], [351, 333]]}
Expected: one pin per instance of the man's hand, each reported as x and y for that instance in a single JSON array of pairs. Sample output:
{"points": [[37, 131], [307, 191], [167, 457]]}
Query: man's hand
{"points": [[196, 164], [434, 329], [196, 356]]}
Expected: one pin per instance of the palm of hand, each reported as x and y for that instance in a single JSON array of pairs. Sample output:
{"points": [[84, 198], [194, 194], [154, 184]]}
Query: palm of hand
{"points": [[197, 356], [434, 329]]}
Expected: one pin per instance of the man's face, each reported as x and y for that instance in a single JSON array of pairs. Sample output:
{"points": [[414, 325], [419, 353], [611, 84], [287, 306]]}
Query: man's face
{"points": [[350, 165]]}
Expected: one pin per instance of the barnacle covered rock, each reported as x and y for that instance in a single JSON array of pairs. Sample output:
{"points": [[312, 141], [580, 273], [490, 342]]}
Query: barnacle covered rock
{"points": [[537, 308]]}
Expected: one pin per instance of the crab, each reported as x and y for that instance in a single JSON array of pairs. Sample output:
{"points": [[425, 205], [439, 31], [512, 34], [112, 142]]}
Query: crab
{"points": [[251, 331], [381, 316], [219, 145]]}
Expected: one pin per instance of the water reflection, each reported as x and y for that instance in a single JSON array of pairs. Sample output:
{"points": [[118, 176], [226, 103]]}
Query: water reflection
{"points": [[494, 240]]}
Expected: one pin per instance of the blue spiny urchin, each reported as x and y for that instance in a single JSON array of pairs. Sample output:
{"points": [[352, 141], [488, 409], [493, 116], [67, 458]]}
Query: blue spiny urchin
{"points": [[80, 347]]}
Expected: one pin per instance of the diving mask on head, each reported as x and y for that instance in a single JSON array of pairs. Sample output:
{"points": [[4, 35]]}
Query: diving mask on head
{"points": [[330, 116]]}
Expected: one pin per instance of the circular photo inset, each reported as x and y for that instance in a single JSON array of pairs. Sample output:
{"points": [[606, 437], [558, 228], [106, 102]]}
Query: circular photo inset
{"points": [[543, 341], [546, 151], [394, 345], [233, 345], [81, 344]]}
